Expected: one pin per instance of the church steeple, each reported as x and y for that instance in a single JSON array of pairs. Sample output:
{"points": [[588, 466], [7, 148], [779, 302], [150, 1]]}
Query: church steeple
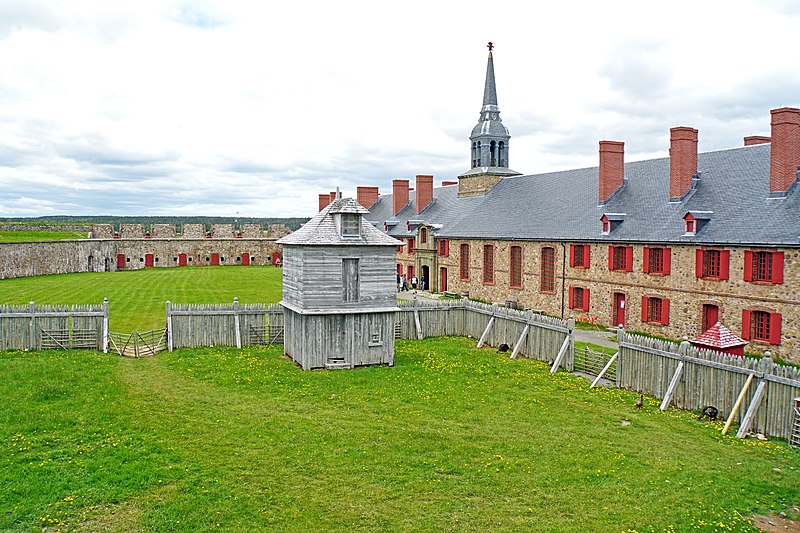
{"points": [[489, 137], [488, 141]]}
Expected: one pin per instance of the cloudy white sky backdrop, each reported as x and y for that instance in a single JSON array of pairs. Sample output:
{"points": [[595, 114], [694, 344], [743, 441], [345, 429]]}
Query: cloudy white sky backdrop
{"points": [[223, 107]]}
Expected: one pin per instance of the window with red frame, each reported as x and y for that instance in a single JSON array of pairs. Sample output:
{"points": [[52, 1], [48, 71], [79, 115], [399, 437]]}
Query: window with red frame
{"points": [[579, 298], [444, 248], [655, 310], [760, 325], [620, 258], [409, 273], [579, 255], [411, 245], [712, 264], [488, 263], [656, 260], [423, 235], [763, 266], [547, 281], [463, 265], [515, 273]]}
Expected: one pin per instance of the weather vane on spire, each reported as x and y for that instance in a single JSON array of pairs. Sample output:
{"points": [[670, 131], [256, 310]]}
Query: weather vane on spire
{"points": [[490, 46]]}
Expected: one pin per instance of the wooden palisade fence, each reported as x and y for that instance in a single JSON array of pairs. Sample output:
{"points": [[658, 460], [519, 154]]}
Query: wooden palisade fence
{"points": [[756, 392], [38, 327], [526, 333], [223, 324]]}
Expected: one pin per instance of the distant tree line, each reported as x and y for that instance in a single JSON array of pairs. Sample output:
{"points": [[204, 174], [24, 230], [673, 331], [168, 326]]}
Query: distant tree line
{"points": [[292, 223]]}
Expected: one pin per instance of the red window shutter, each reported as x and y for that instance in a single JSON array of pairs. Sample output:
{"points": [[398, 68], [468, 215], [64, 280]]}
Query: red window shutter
{"points": [[777, 267], [586, 257], [646, 260], [629, 259], [572, 255], [748, 265], [746, 324], [724, 264], [611, 258], [667, 260], [586, 299], [447, 248], [774, 328], [571, 297], [644, 309], [698, 269], [665, 312]]}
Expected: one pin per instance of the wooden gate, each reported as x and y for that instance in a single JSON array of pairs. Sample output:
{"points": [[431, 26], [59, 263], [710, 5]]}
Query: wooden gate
{"points": [[139, 344]]}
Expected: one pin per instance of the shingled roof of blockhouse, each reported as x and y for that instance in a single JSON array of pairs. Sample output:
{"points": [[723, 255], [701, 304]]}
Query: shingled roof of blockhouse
{"points": [[322, 229], [733, 187]]}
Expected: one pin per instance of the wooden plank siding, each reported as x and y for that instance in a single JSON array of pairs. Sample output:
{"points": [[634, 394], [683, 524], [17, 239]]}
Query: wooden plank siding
{"points": [[36, 327]]}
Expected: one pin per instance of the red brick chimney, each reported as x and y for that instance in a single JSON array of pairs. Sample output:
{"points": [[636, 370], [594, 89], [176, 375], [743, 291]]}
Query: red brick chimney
{"points": [[367, 196], [756, 139], [612, 168], [424, 191], [399, 195], [333, 196], [785, 151], [324, 200], [682, 160], [446, 183]]}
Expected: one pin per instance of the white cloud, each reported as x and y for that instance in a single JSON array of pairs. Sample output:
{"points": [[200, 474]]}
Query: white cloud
{"points": [[216, 107]]}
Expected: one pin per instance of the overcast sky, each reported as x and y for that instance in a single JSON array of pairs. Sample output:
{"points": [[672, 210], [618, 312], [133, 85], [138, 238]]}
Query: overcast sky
{"points": [[223, 107]]}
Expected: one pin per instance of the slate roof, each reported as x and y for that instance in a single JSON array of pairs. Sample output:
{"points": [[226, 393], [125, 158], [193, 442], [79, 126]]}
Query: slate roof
{"points": [[322, 230], [563, 206], [718, 336]]}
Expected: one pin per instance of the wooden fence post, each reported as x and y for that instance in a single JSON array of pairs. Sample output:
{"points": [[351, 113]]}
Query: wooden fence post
{"points": [[32, 331], [676, 377], [417, 322], [236, 322], [105, 325], [738, 403], [488, 327], [765, 365], [571, 327], [169, 325]]}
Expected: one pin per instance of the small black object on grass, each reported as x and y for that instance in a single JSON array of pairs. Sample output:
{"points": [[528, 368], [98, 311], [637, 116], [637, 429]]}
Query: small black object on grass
{"points": [[502, 348], [710, 412]]}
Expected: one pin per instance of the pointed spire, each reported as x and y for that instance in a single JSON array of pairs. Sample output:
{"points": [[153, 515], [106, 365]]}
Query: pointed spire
{"points": [[489, 89]]}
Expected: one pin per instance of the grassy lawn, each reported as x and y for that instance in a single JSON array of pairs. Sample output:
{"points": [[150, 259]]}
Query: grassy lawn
{"points": [[39, 235], [136, 297], [451, 438]]}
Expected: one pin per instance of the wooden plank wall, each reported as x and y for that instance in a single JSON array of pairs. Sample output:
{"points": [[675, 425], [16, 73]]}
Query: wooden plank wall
{"points": [[709, 378], [214, 324], [21, 325]]}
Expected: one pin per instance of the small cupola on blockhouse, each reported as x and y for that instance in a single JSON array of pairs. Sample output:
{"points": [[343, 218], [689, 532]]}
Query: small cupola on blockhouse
{"points": [[339, 290]]}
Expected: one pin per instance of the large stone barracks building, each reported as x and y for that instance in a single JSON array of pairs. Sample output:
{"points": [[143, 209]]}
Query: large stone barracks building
{"points": [[665, 246]]}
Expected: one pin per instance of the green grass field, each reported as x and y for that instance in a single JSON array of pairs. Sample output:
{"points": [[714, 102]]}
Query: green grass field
{"points": [[136, 297], [39, 235], [451, 438]]}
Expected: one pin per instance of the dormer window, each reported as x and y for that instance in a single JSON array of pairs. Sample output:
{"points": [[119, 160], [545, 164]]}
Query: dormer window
{"points": [[351, 224], [610, 222], [695, 220]]}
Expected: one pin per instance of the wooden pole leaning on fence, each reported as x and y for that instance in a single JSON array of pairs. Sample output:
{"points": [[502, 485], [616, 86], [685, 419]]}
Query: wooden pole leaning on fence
{"points": [[520, 341], [676, 378], [488, 327], [766, 366], [738, 403], [236, 322], [605, 369], [417, 322], [568, 344]]}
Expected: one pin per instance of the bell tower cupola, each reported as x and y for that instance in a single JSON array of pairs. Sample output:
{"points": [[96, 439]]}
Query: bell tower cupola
{"points": [[488, 143]]}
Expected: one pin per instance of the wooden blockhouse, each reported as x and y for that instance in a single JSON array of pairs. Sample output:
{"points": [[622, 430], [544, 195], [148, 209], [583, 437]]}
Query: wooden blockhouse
{"points": [[339, 285]]}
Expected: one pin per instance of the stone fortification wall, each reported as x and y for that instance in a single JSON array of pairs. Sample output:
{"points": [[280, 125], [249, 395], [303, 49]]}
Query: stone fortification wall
{"points": [[163, 231], [187, 231], [61, 257]]}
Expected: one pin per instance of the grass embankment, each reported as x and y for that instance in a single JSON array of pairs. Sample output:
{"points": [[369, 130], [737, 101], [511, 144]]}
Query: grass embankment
{"points": [[39, 235], [136, 297], [451, 438]]}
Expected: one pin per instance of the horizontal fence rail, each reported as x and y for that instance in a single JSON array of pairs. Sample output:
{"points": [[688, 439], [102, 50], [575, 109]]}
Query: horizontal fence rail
{"points": [[40, 327], [692, 378]]}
